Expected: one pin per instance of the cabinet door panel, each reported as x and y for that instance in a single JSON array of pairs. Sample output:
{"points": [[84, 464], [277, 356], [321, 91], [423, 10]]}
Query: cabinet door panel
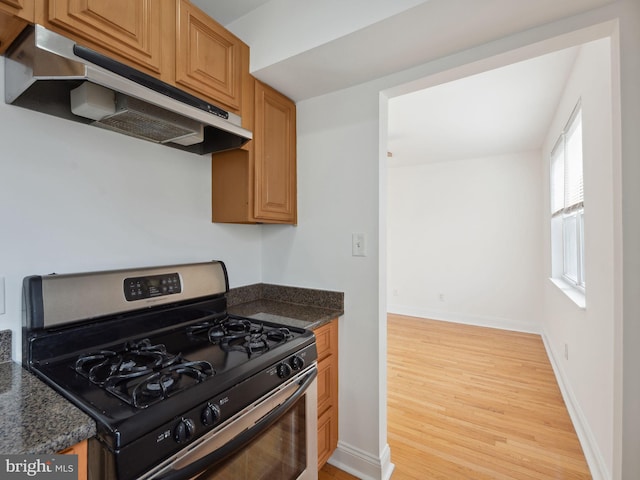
{"points": [[128, 29], [15, 4], [79, 449], [19, 8], [14, 16], [327, 436], [10, 28], [275, 153], [325, 390], [209, 57]]}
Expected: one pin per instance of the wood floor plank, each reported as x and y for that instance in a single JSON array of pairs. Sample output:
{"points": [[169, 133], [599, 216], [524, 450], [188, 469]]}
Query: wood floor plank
{"points": [[467, 402]]}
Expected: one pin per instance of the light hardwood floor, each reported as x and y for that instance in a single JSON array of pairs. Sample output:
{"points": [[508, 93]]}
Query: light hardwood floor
{"points": [[468, 402]]}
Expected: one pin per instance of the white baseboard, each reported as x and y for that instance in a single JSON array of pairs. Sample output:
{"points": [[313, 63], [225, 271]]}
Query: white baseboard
{"points": [[361, 464], [587, 440], [478, 320]]}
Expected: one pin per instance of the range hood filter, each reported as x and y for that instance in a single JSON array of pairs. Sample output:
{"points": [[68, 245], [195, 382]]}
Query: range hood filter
{"points": [[136, 118]]}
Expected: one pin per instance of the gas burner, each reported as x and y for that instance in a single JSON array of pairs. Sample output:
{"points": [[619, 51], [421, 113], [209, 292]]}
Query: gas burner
{"points": [[142, 373], [280, 335], [259, 340], [144, 390], [240, 334]]}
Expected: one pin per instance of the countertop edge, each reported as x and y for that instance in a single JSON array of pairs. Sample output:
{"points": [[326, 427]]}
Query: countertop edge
{"points": [[293, 306], [24, 397]]}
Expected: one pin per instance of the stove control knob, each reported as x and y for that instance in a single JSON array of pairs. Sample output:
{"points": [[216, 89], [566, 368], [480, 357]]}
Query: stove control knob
{"points": [[210, 414], [297, 362], [284, 370], [184, 430]]}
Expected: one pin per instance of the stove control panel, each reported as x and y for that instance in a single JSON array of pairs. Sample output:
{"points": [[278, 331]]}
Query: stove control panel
{"points": [[140, 288], [219, 410]]}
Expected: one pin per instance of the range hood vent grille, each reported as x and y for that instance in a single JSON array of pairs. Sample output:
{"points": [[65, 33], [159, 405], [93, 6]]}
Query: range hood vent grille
{"points": [[136, 118]]}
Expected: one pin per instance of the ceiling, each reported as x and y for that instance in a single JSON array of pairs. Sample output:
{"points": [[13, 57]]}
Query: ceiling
{"points": [[225, 11], [500, 111]]}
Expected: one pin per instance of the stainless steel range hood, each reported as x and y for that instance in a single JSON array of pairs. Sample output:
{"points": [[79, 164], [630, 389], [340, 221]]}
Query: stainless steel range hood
{"points": [[49, 73]]}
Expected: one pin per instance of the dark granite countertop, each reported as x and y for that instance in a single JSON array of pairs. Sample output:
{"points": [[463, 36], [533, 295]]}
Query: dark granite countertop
{"points": [[34, 419], [294, 306]]}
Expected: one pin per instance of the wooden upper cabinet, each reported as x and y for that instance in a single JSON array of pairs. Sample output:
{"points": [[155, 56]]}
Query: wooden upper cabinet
{"points": [[18, 8], [171, 40], [14, 16], [275, 156], [257, 183], [136, 32], [209, 59]]}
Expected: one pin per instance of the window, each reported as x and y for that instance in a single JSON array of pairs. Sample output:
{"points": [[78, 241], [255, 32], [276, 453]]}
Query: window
{"points": [[567, 204]]}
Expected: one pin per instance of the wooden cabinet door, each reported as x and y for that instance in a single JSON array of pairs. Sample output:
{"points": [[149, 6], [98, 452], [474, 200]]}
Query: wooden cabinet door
{"points": [[14, 16], [79, 449], [132, 31], [327, 347], [10, 28], [275, 156], [208, 58], [18, 8]]}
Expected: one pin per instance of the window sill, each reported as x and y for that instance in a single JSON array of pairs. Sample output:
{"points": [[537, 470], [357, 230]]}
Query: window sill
{"points": [[574, 294]]}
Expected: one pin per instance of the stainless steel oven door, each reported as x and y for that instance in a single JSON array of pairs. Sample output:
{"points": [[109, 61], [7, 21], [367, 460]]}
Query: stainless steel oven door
{"points": [[274, 438]]}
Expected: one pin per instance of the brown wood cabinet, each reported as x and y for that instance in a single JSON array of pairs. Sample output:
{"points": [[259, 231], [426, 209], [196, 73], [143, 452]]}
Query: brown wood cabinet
{"points": [[169, 39], [257, 184], [139, 33], [19, 8], [327, 345], [79, 449], [209, 59], [14, 16]]}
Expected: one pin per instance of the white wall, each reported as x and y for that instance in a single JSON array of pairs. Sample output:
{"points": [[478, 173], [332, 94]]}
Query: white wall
{"points": [[468, 230], [338, 195], [588, 333], [77, 198], [340, 177]]}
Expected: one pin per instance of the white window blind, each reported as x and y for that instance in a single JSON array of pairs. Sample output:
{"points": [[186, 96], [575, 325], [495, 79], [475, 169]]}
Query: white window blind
{"points": [[557, 178], [567, 186], [573, 183]]}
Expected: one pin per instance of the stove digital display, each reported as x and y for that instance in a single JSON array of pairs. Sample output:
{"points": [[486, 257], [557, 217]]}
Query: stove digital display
{"points": [[140, 288]]}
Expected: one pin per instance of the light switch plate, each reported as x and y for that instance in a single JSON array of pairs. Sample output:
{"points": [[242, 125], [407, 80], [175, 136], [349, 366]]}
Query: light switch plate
{"points": [[358, 245]]}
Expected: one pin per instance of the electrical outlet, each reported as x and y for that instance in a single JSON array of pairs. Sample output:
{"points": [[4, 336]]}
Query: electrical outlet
{"points": [[441, 297]]}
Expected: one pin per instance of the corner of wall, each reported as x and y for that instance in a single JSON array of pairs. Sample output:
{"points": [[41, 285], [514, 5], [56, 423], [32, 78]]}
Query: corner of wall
{"points": [[592, 454]]}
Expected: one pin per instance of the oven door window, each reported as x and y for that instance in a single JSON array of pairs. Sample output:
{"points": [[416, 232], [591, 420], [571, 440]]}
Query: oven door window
{"points": [[278, 453]]}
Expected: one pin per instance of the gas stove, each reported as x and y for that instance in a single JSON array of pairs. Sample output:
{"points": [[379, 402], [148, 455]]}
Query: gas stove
{"points": [[153, 356]]}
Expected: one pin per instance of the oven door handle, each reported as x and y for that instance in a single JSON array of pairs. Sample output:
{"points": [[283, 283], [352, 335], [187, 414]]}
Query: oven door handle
{"points": [[243, 438]]}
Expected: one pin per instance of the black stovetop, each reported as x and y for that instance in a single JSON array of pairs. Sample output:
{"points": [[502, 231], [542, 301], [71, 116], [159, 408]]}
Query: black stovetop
{"points": [[192, 353]]}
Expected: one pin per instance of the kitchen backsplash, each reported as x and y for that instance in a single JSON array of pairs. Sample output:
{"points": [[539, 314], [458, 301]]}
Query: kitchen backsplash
{"points": [[301, 296]]}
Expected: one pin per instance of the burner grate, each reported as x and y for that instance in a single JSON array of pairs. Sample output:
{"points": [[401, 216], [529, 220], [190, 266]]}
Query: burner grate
{"points": [[241, 335], [142, 374]]}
